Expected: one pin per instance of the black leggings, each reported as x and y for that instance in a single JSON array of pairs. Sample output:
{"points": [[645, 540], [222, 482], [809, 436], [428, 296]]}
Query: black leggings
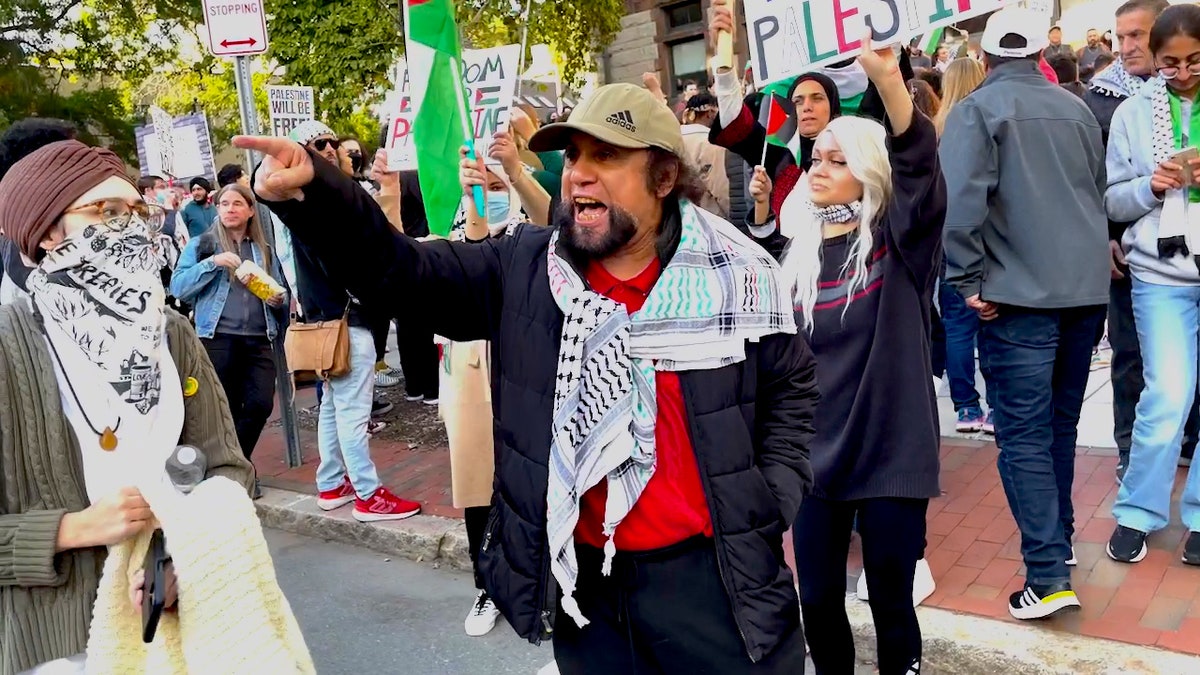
{"points": [[246, 369], [893, 540], [476, 517], [419, 361]]}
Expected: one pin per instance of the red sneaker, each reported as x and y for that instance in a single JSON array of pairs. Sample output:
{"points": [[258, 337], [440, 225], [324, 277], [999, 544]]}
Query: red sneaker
{"points": [[338, 497], [384, 505]]}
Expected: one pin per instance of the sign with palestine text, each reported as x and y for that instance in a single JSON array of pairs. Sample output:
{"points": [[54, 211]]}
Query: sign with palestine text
{"points": [[790, 37], [289, 106], [490, 78]]}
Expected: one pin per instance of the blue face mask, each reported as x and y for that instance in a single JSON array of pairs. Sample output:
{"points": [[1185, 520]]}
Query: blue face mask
{"points": [[497, 207]]}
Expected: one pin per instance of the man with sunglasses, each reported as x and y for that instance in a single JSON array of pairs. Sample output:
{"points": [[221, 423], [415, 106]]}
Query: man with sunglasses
{"points": [[346, 473]]}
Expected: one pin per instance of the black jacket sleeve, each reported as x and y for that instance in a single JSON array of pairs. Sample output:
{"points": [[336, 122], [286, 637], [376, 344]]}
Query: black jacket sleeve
{"points": [[785, 418], [456, 288], [745, 138]]}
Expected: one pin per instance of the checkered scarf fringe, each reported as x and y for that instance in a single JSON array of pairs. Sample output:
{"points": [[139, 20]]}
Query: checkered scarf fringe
{"points": [[718, 291], [1179, 221]]}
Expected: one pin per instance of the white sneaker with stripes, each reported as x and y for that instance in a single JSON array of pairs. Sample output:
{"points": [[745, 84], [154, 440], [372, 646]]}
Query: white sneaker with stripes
{"points": [[1038, 602]]}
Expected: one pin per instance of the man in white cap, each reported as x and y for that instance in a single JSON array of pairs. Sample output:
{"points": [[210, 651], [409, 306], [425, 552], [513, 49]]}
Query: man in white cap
{"points": [[1024, 166]]}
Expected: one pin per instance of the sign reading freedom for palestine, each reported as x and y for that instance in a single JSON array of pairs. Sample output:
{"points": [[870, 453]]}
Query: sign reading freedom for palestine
{"points": [[790, 37], [289, 107]]}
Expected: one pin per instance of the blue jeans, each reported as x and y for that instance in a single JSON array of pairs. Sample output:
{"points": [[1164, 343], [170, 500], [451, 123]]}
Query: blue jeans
{"points": [[342, 428], [1168, 325], [962, 329], [1038, 363]]}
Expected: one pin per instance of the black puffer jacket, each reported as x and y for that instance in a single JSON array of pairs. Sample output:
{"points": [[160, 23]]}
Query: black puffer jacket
{"points": [[750, 423]]}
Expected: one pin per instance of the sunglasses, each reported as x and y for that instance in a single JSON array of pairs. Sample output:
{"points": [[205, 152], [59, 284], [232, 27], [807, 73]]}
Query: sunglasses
{"points": [[321, 143]]}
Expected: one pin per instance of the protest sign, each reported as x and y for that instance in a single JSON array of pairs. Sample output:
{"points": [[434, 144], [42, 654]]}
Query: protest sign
{"points": [[289, 107], [191, 148], [163, 125], [790, 37], [490, 78]]}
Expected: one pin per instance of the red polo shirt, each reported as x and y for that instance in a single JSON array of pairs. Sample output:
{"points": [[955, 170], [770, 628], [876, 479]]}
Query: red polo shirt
{"points": [[672, 508]]}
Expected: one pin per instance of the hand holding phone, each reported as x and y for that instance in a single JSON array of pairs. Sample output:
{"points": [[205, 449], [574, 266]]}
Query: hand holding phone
{"points": [[1184, 158], [154, 590]]}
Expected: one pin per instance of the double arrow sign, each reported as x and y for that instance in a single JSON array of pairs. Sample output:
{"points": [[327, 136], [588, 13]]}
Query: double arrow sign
{"points": [[235, 27]]}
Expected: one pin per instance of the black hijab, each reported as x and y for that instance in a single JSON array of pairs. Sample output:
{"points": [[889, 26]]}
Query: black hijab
{"points": [[835, 111]]}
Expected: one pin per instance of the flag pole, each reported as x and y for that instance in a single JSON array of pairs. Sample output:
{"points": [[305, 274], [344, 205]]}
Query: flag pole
{"points": [[521, 61], [468, 135]]}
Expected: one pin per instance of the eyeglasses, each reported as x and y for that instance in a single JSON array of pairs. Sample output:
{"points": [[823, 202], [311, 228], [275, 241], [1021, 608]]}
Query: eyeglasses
{"points": [[321, 143], [115, 214], [1172, 72]]}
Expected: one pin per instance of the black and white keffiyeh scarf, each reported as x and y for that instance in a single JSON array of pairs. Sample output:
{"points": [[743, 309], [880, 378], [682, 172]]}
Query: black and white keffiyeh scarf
{"points": [[1179, 222], [1116, 82], [718, 291], [836, 214]]}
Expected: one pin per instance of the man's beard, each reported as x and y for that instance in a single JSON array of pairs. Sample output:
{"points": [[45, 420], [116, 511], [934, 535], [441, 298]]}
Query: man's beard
{"points": [[585, 244]]}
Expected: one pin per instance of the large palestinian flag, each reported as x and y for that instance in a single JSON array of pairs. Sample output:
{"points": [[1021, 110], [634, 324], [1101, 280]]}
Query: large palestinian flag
{"points": [[434, 56]]}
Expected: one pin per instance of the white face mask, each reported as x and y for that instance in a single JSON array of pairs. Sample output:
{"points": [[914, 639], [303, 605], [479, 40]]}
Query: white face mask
{"points": [[102, 287]]}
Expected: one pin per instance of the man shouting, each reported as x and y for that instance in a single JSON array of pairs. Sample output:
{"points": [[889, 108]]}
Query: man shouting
{"points": [[653, 401]]}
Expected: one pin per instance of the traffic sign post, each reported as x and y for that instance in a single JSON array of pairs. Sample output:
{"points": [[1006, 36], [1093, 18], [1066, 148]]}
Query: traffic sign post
{"points": [[239, 29], [235, 27]]}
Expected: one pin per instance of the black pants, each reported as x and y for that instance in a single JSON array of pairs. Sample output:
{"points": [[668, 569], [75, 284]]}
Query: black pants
{"points": [[893, 540], [477, 518], [1127, 381], [247, 372], [379, 332], [661, 611], [419, 361]]}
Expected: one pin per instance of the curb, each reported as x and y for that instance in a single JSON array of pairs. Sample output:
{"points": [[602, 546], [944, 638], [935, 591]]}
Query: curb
{"points": [[952, 643], [963, 643], [442, 541]]}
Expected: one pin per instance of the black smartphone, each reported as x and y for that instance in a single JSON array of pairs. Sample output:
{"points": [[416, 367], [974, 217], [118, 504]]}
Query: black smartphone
{"points": [[154, 593]]}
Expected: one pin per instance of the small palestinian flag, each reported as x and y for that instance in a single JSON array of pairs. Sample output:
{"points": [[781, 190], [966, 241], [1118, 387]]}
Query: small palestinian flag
{"points": [[778, 116]]}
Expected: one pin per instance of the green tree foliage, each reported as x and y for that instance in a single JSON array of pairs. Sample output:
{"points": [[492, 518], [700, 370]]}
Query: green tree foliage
{"points": [[99, 63]]}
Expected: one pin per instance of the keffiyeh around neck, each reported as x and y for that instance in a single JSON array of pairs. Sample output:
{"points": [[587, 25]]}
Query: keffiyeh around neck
{"points": [[837, 213], [1179, 222], [1118, 82], [718, 291]]}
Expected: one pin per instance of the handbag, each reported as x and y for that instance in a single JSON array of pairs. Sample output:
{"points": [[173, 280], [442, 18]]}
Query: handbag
{"points": [[322, 347]]}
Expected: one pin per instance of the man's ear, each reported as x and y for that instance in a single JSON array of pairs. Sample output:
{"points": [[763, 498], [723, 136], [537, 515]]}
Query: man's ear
{"points": [[667, 184]]}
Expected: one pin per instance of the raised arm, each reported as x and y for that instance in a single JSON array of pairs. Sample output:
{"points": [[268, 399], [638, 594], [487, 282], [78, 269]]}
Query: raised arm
{"points": [[455, 288]]}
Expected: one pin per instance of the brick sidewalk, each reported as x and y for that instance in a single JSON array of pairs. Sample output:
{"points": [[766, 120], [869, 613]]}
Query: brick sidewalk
{"points": [[973, 545]]}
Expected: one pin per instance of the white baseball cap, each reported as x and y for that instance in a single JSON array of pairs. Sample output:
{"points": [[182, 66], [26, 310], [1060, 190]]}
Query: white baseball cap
{"points": [[1030, 25]]}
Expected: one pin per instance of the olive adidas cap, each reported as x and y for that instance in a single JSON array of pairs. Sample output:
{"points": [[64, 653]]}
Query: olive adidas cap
{"points": [[624, 115]]}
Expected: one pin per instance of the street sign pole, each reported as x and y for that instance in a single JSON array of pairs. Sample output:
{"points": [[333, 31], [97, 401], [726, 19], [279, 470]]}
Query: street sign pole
{"points": [[283, 380]]}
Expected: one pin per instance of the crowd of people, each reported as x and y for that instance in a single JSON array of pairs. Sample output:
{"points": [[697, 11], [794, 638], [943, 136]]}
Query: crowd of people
{"points": [[640, 396]]}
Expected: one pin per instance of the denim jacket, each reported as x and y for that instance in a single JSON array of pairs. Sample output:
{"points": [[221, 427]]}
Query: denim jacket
{"points": [[205, 285]]}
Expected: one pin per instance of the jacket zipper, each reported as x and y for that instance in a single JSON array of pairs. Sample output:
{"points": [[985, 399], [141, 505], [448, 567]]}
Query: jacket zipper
{"points": [[717, 539], [550, 590]]}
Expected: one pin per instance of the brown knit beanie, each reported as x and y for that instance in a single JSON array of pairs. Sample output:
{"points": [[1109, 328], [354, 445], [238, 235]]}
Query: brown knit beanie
{"points": [[37, 189]]}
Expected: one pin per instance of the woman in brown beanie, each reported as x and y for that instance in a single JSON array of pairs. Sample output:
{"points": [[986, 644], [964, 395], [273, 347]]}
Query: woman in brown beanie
{"points": [[99, 382]]}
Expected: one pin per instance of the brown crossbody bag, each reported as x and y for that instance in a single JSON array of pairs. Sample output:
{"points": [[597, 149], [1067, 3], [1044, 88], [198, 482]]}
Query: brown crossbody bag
{"points": [[322, 347]]}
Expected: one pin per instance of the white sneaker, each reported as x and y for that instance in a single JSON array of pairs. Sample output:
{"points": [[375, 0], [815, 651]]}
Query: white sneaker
{"points": [[482, 618], [1072, 561], [923, 584], [549, 669]]}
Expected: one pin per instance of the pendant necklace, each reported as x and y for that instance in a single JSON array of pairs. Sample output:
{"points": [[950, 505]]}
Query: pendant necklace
{"points": [[108, 437]]}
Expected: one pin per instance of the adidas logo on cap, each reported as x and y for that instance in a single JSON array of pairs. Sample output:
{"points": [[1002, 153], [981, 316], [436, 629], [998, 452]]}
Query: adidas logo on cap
{"points": [[622, 119]]}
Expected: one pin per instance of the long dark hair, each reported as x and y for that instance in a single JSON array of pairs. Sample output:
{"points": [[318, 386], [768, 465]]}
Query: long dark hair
{"points": [[1175, 20]]}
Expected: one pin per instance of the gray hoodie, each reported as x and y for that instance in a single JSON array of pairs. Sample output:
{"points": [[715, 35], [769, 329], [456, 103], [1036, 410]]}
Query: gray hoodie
{"points": [[1024, 167]]}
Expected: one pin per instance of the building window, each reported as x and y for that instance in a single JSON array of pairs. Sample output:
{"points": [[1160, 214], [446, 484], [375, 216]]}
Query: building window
{"points": [[684, 15], [689, 62]]}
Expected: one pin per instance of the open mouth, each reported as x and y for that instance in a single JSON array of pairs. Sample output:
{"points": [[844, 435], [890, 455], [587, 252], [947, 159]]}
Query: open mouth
{"points": [[588, 210]]}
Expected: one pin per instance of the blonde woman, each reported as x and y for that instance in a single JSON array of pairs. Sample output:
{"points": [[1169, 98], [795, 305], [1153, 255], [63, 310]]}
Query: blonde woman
{"points": [[962, 77], [236, 327], [863, 268]]}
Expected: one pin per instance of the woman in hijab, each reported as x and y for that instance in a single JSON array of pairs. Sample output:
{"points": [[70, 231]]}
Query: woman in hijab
{"points": [[99, 382]]}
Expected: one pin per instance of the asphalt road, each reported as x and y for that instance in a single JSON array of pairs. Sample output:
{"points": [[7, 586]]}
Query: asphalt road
{"points": [[362, 613]]}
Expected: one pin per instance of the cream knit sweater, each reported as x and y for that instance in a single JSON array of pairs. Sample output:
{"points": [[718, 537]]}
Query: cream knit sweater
{"points": [[231, 616]]}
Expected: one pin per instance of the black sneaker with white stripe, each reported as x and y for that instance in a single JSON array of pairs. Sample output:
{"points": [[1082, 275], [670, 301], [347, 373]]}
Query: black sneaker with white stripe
{"points": [[1039, 602], [1127, 545]]}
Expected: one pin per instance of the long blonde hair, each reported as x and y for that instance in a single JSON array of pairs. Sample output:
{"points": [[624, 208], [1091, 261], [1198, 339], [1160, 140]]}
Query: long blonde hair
{"points": [[962, 77], [864, 144], [253, 228]]}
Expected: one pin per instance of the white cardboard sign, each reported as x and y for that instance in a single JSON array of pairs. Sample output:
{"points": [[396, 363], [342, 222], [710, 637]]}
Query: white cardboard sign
{"points": [[790, 37], [289, 106]]}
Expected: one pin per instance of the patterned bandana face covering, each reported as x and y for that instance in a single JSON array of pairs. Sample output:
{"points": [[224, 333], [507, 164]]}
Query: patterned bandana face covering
{"points": [[837, 213], [102, 291]]}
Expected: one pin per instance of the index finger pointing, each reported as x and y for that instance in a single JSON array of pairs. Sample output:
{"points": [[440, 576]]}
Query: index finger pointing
{"points": [[268, 145]]}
